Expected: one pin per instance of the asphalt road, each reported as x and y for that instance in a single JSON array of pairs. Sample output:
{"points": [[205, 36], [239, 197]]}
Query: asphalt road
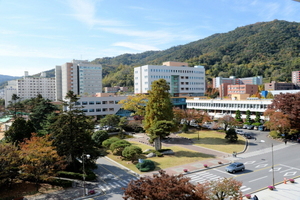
{"points": [[112, 179]]}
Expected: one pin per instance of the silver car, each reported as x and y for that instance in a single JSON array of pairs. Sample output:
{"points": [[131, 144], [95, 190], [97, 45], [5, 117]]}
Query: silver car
{"points": [[234, 167]]}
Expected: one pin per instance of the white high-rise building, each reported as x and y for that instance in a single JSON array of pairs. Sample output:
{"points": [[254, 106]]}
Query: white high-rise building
{"points": [[183, 80], [29, 87], [79, 76]]}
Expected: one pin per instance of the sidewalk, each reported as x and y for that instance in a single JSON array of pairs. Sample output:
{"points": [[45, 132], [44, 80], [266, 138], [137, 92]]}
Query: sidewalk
{"points": [[288, 191]]}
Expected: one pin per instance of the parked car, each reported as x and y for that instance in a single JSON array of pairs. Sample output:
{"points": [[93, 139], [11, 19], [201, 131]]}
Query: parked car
{"points": [[241, 132], [248, 136], [250, 127], [234, 167]]}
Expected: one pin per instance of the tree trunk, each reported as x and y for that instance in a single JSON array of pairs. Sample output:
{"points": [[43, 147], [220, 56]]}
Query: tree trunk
{"points": [[157, 143]]}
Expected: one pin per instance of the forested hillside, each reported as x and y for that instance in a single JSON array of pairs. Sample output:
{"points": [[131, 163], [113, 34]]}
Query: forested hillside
{"points": [[270, 49]]}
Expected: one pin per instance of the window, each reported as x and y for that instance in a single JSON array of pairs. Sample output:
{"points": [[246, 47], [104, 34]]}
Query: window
{"points": [[111, 102], [111, 109], [84, 110], [104, 102], [98, 102], [77, 103], [92, 110], [98, 109], [91, 103], [84, 103], [104, 109]]}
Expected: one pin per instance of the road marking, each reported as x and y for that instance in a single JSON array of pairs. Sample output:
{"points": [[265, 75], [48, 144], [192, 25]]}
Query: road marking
{"points": [[244, 190], [260, 166], [223, 171], [290, 167], [258, 179], [249, 162], [290, 174], [275, 169]]}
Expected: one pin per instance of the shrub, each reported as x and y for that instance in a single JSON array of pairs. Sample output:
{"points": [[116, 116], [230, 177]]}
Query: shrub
{"points": [[131, 152], [118, 146], [146, 165], [275, 134], [205, 165], [185, 170], [292, 180], [248, 196], [108, 142]]}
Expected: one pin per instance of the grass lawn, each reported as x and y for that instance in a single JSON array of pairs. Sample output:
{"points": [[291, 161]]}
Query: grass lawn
{"points": [[182, 156], [214, 140]]}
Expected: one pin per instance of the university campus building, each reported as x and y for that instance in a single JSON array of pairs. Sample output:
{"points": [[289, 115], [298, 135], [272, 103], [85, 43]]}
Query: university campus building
{"points": [[183, 80]]}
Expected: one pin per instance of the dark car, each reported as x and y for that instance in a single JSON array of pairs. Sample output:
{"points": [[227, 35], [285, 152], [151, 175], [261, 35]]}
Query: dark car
{"points": [[248, 136], [234, 167]]}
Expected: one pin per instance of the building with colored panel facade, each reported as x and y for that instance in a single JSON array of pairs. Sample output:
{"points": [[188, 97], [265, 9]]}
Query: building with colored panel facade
{"points": [[79, 76], [279, 86], [183, 80]]}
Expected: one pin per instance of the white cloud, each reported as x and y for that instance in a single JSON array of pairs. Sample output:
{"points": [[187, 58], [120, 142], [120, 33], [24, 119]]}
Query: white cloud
{"points": [[135, 46], [85, 11]]}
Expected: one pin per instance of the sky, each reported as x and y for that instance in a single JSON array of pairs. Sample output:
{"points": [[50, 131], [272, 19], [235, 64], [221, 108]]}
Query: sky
{"points": [[37, 35]]}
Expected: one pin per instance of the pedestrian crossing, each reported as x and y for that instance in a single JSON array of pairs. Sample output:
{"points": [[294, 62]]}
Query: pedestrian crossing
{"points": [[115, 184], [204, 176]]}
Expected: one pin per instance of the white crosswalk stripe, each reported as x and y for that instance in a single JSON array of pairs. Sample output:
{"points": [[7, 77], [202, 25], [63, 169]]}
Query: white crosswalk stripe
{"points": [[201, 177], [115, 184]]}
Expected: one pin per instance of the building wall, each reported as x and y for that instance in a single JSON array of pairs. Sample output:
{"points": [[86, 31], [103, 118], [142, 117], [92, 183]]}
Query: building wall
{"points": [[100, 106], [242, 89], [279, 86], [79, 76], [29, 87], [295, 77], [220, 108], [191, 80]]}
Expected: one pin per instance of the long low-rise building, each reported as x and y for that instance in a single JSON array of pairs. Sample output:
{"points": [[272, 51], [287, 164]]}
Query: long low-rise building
{"points": [[220, 107]]}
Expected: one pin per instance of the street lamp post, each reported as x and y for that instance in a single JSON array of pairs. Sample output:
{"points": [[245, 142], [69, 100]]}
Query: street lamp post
{"points": [[87, 156], [273, 165]]}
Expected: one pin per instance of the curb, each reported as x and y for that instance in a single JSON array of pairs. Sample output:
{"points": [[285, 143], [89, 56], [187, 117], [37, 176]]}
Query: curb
{"points": [[122, 166]]}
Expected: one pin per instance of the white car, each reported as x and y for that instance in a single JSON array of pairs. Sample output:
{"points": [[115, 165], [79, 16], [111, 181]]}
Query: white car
{"points": [[241, 132]]}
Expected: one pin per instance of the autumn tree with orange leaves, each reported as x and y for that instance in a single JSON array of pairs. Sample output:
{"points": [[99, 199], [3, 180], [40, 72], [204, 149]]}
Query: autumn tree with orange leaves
{"points": [[163, 187], [40, 159], [277, 121]]}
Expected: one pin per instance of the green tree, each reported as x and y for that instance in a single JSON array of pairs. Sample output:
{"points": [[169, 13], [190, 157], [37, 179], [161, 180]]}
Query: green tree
{"points": [[110, 120], [15, 105], [99, 137], [238, 116], [42, 108], [72, 132], [19, 130], [159, 107], [159, 130], [231, 135], [248, 117], [257, 117], [131, 152]]}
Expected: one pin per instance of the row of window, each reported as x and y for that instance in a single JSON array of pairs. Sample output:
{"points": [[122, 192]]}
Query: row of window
{"points": [[98, 110], [96, 102], [227, 105], [174, 71]]}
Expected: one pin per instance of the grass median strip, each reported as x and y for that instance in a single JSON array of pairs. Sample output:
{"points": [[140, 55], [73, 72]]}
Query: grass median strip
{"points": [[182, 156], [214, 140]]}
